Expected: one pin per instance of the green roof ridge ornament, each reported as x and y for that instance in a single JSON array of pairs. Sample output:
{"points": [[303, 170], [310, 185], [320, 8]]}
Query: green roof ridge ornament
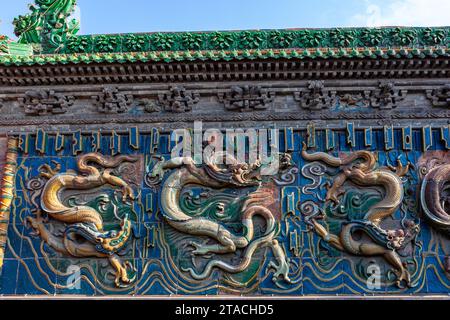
{"points": [[4, 41], [50, 30], [48, 24], [11, 48], [358, 38]]}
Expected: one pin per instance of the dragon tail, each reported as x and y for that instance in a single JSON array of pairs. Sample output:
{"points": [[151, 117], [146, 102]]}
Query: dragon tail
{"points": [[245, 262], [103, 161], [369, 158]]}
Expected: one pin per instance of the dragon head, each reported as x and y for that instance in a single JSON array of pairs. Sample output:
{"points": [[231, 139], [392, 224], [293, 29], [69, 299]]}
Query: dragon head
{"points": [[245, 174]]}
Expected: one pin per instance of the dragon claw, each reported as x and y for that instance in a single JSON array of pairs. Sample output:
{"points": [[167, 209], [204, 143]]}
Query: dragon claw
{"points": [[128, 193], [200, 249], [403, 276], [334, 194], [46, 171], [125, 275], [281, 270]]}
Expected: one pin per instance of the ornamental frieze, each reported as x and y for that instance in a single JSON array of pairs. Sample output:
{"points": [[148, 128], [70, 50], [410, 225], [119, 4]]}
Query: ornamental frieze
{"points": [[140, 105], [261, 39], [316, 97], [440, 97], [177, 100], [45, 102], [247, 98], [386, 96], [112, 101]]}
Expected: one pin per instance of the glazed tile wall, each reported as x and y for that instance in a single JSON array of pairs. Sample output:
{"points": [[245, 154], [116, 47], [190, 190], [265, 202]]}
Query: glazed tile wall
{"points": [[157, 253]]}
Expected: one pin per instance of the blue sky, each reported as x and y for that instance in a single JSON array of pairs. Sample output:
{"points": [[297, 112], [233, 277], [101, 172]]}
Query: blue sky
{"points": [[119, 16]]}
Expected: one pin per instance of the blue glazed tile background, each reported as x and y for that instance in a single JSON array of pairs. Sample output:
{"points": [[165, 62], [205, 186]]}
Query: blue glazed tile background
{"points": [[32, 267]]}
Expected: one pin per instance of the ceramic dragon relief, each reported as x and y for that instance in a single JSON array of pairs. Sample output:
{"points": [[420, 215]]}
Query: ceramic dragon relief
{"points": [[185, 173], [84, 234], [366, 235], [91, 205], [435, 189], [132, 223]]}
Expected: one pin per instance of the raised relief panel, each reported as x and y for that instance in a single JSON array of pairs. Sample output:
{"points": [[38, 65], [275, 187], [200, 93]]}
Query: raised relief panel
{"points": [[122, 220], [177, 100], [352, 100], [434, 170], [77, 210], [440, 97], [247, 98], [151, 106], [387, 96], [316, 97], [112, 101], [45, 102], [231, 187], [372, 181]]}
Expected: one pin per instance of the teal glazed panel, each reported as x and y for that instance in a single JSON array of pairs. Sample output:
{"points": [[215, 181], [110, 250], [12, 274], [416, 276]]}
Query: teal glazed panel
{"points": [[113, 214]]}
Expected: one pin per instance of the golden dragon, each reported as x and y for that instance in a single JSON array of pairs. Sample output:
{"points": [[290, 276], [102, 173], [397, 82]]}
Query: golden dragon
{"points": [[359, 168], [235, 175], [84, 221], [435, 190]]}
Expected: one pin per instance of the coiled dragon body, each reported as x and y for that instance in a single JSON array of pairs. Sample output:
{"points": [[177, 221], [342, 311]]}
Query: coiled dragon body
{"points": [[435, 198], [359, 168], [85, 221], [212, 176]]}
